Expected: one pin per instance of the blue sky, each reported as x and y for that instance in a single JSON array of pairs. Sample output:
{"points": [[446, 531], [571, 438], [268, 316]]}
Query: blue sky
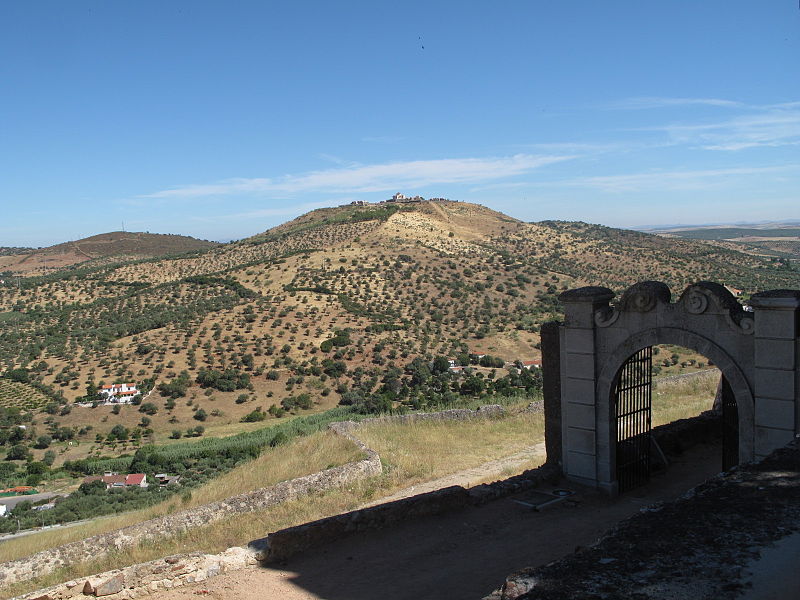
{"points": [[222, 119]]}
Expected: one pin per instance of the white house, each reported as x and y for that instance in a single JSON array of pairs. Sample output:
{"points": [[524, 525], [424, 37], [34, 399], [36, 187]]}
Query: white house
{"points": [[120, 393]]}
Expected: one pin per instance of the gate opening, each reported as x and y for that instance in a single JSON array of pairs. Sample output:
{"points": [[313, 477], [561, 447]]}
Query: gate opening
{"points": [[659, 385]]}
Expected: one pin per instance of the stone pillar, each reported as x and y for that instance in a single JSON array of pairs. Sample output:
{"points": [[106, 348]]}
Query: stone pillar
{"points": [[578, 385], [551, 379], [776, 393]]}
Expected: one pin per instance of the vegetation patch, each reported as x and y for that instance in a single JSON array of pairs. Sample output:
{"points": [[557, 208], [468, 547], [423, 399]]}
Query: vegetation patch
{"points": [[15, 394]]}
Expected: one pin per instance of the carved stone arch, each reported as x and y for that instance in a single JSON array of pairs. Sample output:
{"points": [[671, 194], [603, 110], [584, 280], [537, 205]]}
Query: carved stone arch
{"points": [[757, 351], [668, 335]]}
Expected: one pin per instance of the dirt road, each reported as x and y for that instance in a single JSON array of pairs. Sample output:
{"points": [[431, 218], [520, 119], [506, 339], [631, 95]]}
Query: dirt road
{"points": [[464, 554]]}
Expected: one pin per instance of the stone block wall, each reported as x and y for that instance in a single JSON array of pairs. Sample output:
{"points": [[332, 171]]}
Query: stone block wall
{"points": [[151, 576], [285, 543], [49, 560]]}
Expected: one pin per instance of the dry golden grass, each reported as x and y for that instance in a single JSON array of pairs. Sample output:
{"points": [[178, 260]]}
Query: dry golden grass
{"points": [[682, 398], [410, 454], [303, 456], [430, 449]]}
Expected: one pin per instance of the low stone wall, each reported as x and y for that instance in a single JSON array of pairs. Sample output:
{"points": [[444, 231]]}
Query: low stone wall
{"points": [[149, 578], [192, 565], [675, 437], [548, 473], [710, 373], [285, 543], [49, 560], [453, 414]]}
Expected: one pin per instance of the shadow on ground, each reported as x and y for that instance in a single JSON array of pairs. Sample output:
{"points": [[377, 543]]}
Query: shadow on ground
{"points": [[468, 553]]}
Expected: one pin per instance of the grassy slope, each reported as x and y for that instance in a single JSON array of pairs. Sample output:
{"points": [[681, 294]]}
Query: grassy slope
{"points": [[303, 456]]}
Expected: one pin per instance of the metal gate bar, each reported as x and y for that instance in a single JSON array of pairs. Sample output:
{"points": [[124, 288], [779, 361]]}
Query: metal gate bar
{"points": [[632, 400]]}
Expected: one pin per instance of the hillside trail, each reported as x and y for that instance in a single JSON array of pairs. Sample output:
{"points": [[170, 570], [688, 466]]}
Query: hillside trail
{"points": [[440, 211], [462, 554]]}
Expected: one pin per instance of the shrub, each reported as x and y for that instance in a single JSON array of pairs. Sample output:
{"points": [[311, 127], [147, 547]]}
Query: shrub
{"points": [[148, 408], [254, 416]]}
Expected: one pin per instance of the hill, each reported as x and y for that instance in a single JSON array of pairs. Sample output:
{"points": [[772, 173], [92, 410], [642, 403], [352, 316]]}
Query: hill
{"points": [[110, 247], [358, 305]]}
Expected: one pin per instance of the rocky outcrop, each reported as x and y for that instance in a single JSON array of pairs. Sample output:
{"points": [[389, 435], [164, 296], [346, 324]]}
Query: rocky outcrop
{"points": [[149, 578]]}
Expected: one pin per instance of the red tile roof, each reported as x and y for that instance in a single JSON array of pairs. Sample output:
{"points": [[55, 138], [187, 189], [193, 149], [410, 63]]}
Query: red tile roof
{"points": [[134, 479], [110, 480]]}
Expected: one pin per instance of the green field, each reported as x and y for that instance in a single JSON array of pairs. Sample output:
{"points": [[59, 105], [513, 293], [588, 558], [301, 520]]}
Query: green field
{"points": [[731, 233]]}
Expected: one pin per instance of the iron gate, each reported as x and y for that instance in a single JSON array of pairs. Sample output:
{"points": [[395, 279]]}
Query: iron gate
{"points": [[632, 401], [730, 427]]}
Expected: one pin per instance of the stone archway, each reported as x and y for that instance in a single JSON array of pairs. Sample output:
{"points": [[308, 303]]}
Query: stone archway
{"points": [[757, 353]]}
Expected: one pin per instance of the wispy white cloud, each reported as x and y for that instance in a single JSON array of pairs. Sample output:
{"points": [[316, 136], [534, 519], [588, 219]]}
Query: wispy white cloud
{"points": [[337, 160], [509, 185], [756, 125], [777, 127], [646, 102], [373, 178], [584, 148], [382, 139], [680, 180]]}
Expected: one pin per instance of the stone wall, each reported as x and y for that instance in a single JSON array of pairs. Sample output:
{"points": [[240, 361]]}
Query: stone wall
{"points": [[195, 565], [149, 578], [283, 544], [455, 414], [675, 437], [709, 373], [49, 560]]}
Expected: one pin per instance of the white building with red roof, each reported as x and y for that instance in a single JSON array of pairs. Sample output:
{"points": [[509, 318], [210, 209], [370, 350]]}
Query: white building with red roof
{"points": [[114, 480], [119, 393]]}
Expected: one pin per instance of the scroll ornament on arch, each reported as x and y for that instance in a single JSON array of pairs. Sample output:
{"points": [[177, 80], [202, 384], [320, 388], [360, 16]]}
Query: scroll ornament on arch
{"points": [[699, 297], [696, 302], [641, 297], [606, 316]]}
